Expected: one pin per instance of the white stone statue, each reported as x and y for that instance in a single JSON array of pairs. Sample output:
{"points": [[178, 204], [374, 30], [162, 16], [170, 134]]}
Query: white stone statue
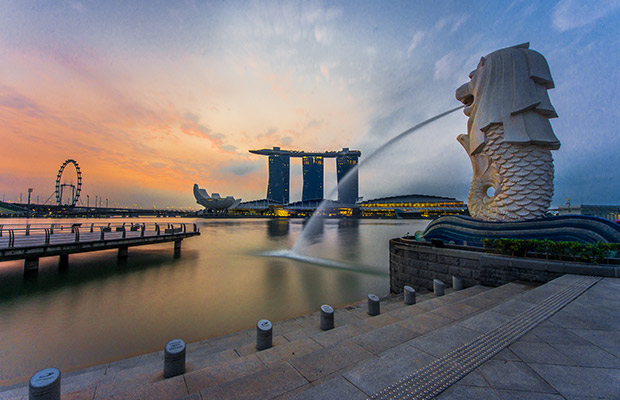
{"points": [[509, 138]]}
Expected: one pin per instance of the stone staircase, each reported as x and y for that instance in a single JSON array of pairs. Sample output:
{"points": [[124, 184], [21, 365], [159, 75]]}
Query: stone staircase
{"points": [[360, 356]]}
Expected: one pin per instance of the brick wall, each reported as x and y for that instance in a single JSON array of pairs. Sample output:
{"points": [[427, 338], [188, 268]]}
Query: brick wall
{"points": [[416, 264]]}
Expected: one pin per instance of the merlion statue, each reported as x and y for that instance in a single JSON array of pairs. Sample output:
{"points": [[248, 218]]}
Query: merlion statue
{"points": [[509, 138]]}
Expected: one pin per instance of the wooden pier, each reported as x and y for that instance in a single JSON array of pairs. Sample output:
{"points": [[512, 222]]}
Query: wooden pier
{"points": [[31, 242]]}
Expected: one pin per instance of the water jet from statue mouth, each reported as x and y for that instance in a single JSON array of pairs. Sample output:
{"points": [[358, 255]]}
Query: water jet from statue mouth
{"points": [[324, 262]]}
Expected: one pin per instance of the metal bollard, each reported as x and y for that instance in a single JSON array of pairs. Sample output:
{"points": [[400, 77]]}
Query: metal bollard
{"points": [[174, 358], [264, 335], [45, 385], [374, 307], [327, 317], [457, 283], [439, 288], [409, 295]]}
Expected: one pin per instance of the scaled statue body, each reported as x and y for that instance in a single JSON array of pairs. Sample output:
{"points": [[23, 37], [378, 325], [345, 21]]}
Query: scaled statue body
{"points": [[509, 138]]}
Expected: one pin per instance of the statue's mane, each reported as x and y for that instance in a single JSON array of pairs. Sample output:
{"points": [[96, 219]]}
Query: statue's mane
{"points": [[513, 91]]}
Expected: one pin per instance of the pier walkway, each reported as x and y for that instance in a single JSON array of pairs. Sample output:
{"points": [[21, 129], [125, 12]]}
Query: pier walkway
{"points": [[30, 242], [518, 341]]}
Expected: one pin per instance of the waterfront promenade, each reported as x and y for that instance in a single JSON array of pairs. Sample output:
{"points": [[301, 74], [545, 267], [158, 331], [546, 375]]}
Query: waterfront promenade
{"points": [[570, 353]]}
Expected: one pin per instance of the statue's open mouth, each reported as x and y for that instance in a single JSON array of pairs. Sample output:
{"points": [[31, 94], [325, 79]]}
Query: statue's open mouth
{"points": [[468, 101]]}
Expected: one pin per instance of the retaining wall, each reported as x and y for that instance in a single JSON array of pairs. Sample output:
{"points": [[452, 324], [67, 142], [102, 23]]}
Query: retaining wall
{"points": [[417, 263]]}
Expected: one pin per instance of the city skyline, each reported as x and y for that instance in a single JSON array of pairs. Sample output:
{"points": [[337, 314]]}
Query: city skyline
{"points": [[152, 97]]}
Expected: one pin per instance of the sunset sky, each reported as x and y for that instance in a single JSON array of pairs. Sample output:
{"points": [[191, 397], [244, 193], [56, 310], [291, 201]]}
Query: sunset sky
{"points": [[151, 97]]}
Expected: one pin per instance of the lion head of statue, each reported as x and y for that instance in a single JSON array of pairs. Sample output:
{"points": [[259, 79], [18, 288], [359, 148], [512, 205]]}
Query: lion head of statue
{"points": [[509, 87]]}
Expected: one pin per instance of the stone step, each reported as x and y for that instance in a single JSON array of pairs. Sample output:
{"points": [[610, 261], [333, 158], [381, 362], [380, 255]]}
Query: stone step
{"points": [[315, 354]]}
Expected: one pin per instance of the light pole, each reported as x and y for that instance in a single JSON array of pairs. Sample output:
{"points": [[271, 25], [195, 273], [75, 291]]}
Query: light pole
{"points": [[87, 201]]}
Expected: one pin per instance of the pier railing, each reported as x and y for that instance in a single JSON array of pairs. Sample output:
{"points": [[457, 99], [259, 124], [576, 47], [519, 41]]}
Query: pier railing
{"points": [[20, 235]]}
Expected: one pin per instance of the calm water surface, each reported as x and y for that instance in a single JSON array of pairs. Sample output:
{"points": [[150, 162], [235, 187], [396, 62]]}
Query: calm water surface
{"points": [[102, 309]]}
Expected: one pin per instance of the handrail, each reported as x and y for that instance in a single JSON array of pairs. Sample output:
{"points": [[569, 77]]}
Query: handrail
{"points": [[11, 238]]}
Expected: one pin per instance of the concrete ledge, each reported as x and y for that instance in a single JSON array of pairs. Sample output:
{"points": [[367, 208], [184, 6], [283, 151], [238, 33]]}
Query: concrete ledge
{"points": [[418, 263]]}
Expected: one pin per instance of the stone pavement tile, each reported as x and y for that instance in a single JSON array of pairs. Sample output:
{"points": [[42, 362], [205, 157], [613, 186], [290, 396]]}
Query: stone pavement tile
{"points": [[323, 362], [217, 374], [540, 293], [424, 323], [339, 334], [455, 312], [78, 395], [336, 388], [193, 396], [248, 349], [375, 374], [230, 341], [288, 350], [442, 341], [344, 317], [84, 383], [139, 361], [608, 340], [407, 312], [505, 355], [127, 380], [197, 359], [573, 381], [436, 303], [588, 356], [557, 335], [284, 327], [462, 392], [18, 393], [474, 378], [485, 321], [588, 321], [379, 320], [520, 395], [542, 353], [265, 384], [513, 375], [171, 388], [512, 307], [382, 339]]}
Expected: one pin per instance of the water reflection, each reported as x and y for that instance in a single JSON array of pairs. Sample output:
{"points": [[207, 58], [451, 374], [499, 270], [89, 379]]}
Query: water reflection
{"points": [[277, 228], [100, 309]]}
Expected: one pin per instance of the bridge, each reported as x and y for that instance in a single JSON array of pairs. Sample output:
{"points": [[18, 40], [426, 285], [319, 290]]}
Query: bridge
{"points": [[30, 242], [52, 210]]}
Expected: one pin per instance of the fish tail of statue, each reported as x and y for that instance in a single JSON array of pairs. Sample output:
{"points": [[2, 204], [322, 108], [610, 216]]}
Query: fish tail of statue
{"points": [[521, 176]]}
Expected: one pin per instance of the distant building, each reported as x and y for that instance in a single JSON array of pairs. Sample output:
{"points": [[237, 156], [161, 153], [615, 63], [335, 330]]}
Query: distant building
{"points": [[348, 189], [215, 201], [279, 178], [313, 171], [611, 213], [412, 206]]}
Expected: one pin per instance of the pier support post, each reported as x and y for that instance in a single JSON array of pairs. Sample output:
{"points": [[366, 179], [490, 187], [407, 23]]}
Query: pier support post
{"points": [[177, 247], [439, 288], [31, 264], [63, 261], [409, 295], [327, 317], [374, 306], [122, 252], [264, 335], [45, 385], [174, 358]]}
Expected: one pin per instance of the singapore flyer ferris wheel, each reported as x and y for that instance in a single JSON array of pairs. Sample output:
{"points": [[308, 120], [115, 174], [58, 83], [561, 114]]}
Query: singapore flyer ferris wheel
{"points": [[63, 186]]}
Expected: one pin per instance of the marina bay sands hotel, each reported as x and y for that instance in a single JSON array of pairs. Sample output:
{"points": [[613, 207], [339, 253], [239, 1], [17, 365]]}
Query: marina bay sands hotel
{"points": [[313, 172]]}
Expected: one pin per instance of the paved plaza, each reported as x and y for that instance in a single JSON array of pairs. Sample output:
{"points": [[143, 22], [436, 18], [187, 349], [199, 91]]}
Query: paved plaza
{"points": [[573, 353]]}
